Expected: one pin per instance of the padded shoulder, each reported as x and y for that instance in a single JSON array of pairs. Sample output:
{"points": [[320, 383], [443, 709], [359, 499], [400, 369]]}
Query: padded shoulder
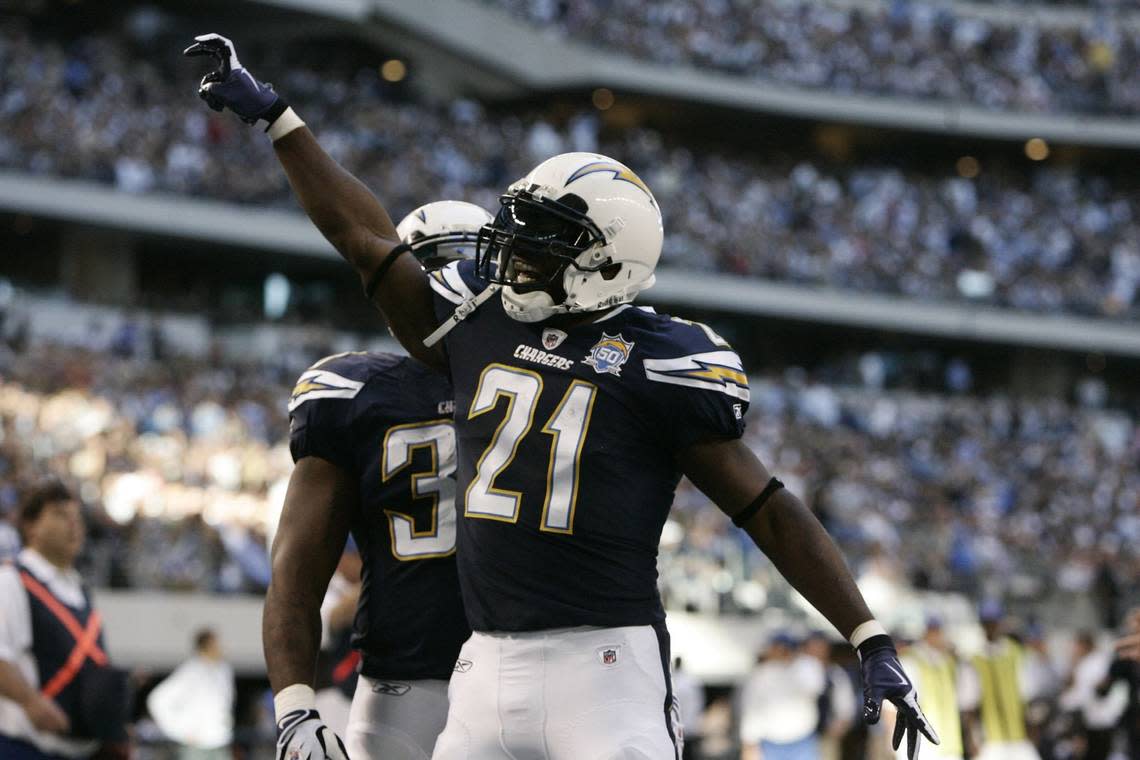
{"points": [[457, 282]]}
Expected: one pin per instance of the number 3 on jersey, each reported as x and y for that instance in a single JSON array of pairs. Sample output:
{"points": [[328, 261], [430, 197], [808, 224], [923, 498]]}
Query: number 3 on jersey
{"points": [[567, 426], [438, 483]]}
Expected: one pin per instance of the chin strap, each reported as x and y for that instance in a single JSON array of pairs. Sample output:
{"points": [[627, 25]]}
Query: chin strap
{"points": [[462, 311]]}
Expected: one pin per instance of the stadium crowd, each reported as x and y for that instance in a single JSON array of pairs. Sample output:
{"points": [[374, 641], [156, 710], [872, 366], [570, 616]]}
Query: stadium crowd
{"points": [[1053, 239], [909, 50], [183, 464], [945, 491]]}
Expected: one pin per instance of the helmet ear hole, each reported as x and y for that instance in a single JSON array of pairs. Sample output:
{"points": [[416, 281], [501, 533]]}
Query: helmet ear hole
{"points": [[575, 202], [611, 271]]}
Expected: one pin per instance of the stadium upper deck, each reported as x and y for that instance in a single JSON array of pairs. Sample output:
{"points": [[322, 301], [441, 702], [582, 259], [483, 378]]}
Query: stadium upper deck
{"points": [[908, 50]]}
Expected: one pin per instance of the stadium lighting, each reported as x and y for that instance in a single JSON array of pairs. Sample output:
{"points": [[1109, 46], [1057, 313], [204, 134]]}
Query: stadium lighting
{"points": [[393, 70], [968, 167], [1036, 149], [603, 99]]}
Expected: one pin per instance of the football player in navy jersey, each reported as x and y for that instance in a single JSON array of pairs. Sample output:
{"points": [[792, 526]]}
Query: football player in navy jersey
{"points": [[374, 446], [576, 415]]}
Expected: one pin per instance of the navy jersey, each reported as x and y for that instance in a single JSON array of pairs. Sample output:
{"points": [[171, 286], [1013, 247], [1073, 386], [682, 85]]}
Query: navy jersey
{"points": [[387, 420], [567, 454]]}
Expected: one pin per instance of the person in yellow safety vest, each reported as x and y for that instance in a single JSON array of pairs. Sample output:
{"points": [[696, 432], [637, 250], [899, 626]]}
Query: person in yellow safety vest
{"points": [[998, 720], [940, 680]]}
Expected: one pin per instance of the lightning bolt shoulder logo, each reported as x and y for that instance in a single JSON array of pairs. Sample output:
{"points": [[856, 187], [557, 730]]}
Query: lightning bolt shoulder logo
{"points": [[320, 383], [712, 370], [619, 172]]}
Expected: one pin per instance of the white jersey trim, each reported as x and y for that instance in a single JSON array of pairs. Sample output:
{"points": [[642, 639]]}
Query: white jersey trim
{"points": [[455, 281], [719, 371], [443, 288]]}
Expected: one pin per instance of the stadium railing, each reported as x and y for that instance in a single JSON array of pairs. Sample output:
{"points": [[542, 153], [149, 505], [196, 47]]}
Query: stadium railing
{"points": [[291, 234]]}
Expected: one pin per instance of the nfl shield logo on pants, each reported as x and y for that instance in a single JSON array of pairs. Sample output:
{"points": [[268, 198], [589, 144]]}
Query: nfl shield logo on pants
{"points": [[552, 339], [608, 655]]}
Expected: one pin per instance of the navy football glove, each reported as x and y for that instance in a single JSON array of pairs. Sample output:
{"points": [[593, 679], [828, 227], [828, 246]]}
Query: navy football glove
{"points": [[884, 678], [231, 86], [302, 735]]}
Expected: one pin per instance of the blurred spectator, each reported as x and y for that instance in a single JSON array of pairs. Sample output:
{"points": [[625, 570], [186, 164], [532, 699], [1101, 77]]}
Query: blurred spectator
{"points": [[194, 705], [690, 696], [59, 697], [837, 703], [1098, 703], [1125, 670], [779, 704], [1000, 726], [1043, 682], [942, 682], [911, 50], [717, 740]]}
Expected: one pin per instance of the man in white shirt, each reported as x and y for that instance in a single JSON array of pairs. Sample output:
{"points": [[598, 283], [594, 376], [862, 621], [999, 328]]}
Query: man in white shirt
{"points": [[1097, 702], [838, 701], [779, 704], [194, 706], [50, 636]]}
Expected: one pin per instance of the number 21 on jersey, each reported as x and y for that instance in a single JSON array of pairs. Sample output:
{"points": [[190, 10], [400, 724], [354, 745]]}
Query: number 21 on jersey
{"points": [[567, 426]]}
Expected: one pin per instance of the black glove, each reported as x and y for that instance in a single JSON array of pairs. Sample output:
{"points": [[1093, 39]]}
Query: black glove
{"points": [[231, 86], [884, 678]]}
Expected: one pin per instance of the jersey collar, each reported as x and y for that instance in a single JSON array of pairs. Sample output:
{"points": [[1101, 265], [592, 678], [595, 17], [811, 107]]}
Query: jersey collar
{"points": [[619, 309]]}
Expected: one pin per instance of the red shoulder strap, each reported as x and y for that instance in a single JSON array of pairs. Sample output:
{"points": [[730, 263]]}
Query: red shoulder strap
{"points": [[86, 638]]}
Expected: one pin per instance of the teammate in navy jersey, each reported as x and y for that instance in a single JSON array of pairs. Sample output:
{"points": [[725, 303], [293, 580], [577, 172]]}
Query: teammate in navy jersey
{"points": [[576, 415], [374, 446]]}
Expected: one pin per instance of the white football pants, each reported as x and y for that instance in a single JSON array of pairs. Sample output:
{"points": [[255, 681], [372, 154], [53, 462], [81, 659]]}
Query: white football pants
{"points": [[565, 694], [395, 720]]}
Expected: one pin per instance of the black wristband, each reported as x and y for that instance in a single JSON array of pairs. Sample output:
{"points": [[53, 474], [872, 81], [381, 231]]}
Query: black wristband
{"points": [[747, 513], [385, 265], [874, 644], [273, 113]]}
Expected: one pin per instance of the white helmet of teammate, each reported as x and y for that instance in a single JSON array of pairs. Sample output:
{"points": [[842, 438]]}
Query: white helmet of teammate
{"points": [[581, 232], [443, 231]]}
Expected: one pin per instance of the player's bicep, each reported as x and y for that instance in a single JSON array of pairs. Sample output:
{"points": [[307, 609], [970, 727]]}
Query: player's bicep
{"points": [[320, 503], [405, 297], [726, 471]]}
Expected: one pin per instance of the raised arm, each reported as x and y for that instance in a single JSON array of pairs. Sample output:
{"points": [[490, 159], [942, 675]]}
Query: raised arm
{"points": [[352, 219], [342, 208], [790, 535]]}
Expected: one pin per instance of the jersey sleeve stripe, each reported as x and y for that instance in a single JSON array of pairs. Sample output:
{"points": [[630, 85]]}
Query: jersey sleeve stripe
{"points": [[719, 371]]}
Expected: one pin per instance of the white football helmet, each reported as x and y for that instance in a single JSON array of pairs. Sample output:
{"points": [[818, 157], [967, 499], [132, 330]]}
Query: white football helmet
{"points": [[443, 231], [581, 232]]}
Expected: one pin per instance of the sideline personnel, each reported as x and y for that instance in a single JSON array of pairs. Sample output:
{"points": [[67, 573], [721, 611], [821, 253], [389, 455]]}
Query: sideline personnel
{"points": [[59, 698]]}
